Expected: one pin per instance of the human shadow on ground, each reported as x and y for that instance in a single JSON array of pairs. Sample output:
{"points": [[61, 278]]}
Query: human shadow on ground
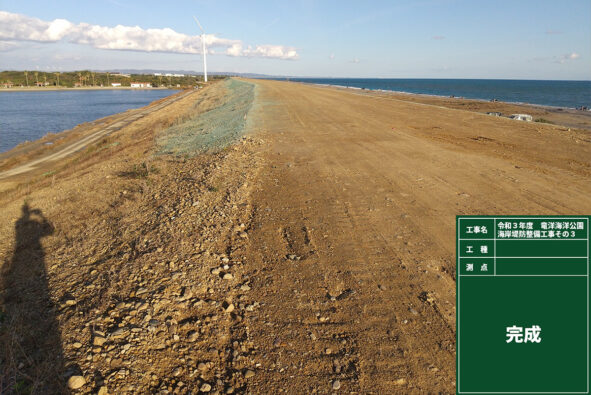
{"points": [[31, 356]]}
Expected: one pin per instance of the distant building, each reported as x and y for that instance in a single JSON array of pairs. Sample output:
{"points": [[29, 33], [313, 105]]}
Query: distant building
{"points": [[494, 113], [141, 85], [8, 84], [521, 117], [115, 84], [157, 74]]}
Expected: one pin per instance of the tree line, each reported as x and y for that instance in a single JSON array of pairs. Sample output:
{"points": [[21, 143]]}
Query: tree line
{"points": [[87, 78]]}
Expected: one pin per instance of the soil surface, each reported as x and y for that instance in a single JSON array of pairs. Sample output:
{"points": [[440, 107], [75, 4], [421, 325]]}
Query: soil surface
{"points": [[314, 254], [352, 241], [563, 118]]}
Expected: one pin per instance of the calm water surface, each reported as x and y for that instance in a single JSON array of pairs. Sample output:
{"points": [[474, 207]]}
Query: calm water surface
{"points": [[27, 116]]}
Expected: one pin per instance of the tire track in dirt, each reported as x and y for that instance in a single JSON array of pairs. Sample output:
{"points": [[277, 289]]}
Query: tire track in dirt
{"points": [[352, 243]]}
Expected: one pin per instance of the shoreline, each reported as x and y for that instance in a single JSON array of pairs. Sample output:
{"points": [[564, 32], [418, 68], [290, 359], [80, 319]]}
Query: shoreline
{"points": [[84, 88], [560, 117], [408, 96], [437, 96], [482, 106]]}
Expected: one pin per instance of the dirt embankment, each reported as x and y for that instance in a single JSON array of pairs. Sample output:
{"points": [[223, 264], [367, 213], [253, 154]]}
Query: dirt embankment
{"points": [[314, 255], [106, 266]]}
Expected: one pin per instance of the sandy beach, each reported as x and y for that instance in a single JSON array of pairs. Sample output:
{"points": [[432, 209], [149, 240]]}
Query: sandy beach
{"points": [[314, 253]]}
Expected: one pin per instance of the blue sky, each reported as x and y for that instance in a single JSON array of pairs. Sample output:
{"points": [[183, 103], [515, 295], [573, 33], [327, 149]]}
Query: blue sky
{"points": [[391, 39]]}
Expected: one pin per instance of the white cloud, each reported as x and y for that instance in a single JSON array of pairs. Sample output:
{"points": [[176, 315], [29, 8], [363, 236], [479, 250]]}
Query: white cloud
{"points": [[356, 60], [558, 59], [262, 51], [271, 51], [567, 57], [17, 27], [331, 57], [234, 50]]}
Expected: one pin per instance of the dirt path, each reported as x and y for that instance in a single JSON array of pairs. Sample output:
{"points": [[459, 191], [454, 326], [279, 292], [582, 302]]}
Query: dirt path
{"points": [[352, 240], [94, 136]]}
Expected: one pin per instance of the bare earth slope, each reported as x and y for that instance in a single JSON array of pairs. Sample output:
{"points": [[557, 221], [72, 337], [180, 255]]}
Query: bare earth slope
{"points": [[105, 265], [352, 240]]}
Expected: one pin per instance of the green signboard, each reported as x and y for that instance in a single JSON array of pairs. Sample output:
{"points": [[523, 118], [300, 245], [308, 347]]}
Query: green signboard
{"points": [[522, 305]]}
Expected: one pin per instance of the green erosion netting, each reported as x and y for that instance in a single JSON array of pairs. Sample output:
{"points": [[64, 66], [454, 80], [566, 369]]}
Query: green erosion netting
{"points": [[212, 130]]}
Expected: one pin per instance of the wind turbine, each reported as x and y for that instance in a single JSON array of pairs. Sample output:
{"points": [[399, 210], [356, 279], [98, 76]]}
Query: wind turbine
{"points": [[203, 49]]}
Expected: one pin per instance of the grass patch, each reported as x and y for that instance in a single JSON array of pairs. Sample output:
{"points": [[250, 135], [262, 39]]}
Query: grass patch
{"points": [[212, 130], [22, 387]]}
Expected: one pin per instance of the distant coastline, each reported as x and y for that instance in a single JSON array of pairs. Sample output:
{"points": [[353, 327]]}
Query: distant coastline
{"points": [[427, 95], [83, 88], [554, 94], [562, 118]]}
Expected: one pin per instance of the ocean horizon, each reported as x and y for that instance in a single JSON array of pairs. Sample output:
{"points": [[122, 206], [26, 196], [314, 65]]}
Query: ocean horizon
{"points": [[554, 93]]}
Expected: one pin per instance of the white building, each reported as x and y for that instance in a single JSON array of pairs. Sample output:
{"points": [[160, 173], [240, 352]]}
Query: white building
{"points": [[115, 84], [141, 85], [521, 117]]}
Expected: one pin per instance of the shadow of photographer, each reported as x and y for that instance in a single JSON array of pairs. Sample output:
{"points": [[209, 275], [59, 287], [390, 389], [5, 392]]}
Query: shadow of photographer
{"points": [[31, 356]]}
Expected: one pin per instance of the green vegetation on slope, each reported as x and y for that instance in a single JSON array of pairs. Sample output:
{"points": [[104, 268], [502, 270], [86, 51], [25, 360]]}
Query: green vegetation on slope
{"points": [[214, 129]]}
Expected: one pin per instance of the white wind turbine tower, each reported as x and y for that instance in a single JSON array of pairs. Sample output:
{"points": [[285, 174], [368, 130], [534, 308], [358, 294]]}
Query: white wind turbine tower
{"points": [[203, 49]]}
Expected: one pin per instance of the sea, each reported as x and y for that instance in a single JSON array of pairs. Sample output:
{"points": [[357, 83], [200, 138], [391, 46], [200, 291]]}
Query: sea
{"points": [[28, 116], [563, 94]]}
